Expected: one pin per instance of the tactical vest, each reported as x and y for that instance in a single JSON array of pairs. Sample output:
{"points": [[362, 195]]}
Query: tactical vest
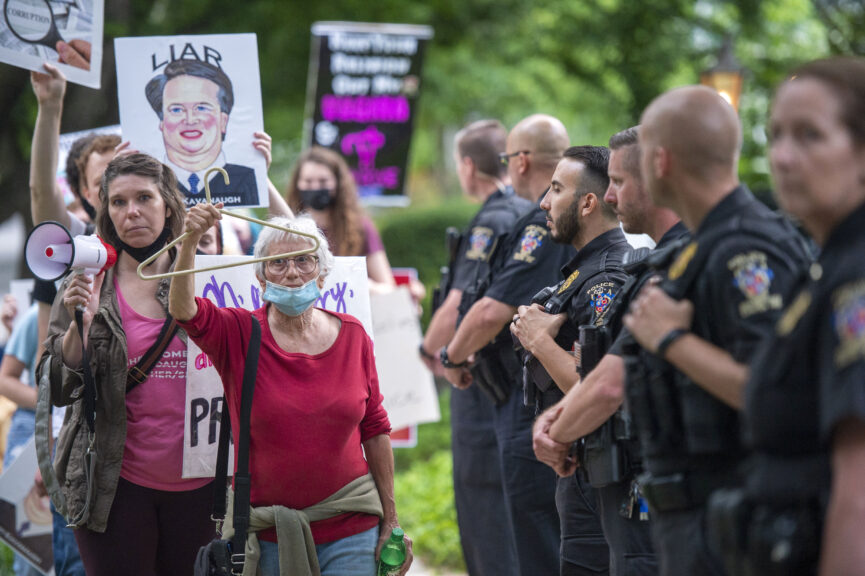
{"points": [[538, 387], [681, 426], [611, 453], [496, 364]]}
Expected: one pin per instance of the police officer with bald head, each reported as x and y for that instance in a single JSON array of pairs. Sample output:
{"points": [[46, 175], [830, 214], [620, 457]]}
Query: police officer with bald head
{"points": [[696, 330]]}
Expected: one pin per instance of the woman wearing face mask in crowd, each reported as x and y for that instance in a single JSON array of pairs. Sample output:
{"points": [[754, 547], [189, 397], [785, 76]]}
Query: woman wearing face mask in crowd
{"points": [[316, 406], [134, 512], [322, 185]]}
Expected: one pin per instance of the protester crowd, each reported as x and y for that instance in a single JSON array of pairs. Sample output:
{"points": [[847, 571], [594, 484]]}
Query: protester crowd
{"points": [[694, 408]]}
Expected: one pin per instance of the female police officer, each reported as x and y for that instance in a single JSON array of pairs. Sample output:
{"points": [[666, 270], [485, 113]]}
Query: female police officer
{"points": [[805, 401]]}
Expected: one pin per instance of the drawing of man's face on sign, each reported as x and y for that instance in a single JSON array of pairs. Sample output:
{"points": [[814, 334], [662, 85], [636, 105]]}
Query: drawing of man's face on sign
{"points": [[193, 100]]}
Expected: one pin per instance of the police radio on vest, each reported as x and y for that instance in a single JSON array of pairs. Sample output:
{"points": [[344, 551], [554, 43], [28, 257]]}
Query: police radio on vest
{"points": [[51, 252]]}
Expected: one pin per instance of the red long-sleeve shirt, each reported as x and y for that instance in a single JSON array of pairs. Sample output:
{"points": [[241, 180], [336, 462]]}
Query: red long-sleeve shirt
{"points": [[310, 413]]}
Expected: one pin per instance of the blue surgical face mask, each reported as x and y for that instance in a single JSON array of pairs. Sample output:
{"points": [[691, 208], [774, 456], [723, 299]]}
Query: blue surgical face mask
{"points": [[292, 301]]}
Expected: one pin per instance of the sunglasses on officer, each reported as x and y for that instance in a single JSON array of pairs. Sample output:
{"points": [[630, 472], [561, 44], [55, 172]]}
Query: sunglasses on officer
{"points": [[504, 157]]}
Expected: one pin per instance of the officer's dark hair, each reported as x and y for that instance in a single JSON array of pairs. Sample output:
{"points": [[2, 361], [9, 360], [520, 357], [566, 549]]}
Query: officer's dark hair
{"points": [[845, 75], [197, 68], [629, 139], [596, 160], [73, 174], [482, 141]]}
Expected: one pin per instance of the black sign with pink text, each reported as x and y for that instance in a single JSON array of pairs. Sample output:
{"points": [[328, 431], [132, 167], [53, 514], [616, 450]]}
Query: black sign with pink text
{"points": [[362, 96]]}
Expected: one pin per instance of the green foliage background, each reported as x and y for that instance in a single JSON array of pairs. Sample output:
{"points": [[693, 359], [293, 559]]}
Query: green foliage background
{"points": [[595, 64]]}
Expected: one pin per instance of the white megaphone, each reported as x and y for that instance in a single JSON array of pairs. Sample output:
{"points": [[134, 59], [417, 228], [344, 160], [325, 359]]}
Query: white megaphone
{"points": [[51, 251]]}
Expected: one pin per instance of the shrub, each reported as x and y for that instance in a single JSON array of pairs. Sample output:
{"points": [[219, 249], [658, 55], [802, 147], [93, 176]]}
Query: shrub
{"points": [[425, 494], [415, 237]]}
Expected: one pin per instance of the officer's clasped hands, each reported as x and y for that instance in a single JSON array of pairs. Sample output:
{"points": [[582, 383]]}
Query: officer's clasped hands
{"points": [[553, 454], [532, 324]]}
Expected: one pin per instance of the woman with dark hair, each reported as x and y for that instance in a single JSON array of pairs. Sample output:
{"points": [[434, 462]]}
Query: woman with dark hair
{"points": [[805, 400], [133, 511], [322, 185]]}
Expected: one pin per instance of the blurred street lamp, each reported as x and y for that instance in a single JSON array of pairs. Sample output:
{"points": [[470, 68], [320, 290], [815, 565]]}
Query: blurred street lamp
{"points": [[726, 76]]}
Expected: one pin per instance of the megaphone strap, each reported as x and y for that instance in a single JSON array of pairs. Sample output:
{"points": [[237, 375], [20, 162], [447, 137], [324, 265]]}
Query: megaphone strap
{"points": [[89, 384]]}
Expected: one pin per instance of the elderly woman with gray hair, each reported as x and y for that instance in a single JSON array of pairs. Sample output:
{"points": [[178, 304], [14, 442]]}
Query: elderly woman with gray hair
{"points": [[316, 410]]}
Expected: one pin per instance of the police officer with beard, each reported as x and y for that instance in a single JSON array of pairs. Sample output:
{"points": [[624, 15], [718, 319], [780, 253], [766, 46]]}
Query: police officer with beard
{"points": [[561, 316], [595, 409], [526, 261], [485, 534], [697, 329]]}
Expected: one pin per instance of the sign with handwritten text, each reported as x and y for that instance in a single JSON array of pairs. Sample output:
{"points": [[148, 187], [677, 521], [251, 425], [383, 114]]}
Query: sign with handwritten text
{"points": [[194, 102], [346, 290], [406, 384], [362, 100]]}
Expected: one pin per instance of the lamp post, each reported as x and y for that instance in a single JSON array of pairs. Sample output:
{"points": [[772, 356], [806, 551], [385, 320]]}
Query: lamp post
{"points": [[726, 76]]}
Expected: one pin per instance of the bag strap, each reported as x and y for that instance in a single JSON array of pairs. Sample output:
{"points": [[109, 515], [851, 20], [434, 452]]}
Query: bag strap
{"points": [[138, 373], [241, 476], [89, 385]]}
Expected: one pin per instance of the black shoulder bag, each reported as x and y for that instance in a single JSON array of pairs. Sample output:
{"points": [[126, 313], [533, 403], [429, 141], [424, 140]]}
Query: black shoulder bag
{"points": [[225, 557]]}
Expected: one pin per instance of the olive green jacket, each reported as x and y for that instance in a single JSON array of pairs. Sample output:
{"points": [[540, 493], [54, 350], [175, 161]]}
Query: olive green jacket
{"points": [[108, 359]]}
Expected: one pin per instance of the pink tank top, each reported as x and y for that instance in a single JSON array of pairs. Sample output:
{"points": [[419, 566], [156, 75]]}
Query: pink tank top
{"points": [[153, 453]]}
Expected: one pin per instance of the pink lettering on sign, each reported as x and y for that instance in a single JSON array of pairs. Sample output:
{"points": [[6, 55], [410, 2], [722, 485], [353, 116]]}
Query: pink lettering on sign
{"points": [[365, 108], [366, 144], [202, 361], [387, 177]]}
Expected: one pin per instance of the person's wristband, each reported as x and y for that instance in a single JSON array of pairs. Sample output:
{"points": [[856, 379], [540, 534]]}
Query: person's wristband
{"points": [[424, 353], [446, 362], [668, 340]]}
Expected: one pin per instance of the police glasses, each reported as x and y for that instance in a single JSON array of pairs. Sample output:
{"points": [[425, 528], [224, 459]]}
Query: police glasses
{"points": [[304, 264], [504, 157]]}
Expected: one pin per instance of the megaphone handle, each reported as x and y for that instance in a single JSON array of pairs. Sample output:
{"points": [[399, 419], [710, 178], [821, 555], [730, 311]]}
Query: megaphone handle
{"points": [[81, 308]]}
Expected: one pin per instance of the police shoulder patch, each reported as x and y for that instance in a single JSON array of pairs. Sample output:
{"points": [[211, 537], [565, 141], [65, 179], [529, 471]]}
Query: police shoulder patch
{"points": [[848, 315], [600, 297], [480, 240], [532, 239], [753, 277]]}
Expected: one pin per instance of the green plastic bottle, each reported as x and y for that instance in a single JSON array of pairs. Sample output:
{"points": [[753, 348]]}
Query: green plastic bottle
{"points": [[392, 554]]}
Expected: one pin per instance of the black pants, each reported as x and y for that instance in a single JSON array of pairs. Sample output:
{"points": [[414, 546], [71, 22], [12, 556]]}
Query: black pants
{"points": [[584, 549], [630, 539], [149, 532], [485, 530], [680, 540]]}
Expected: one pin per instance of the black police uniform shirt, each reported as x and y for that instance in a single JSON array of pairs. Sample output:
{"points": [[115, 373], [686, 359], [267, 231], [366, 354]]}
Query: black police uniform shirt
{"points": [[738, 281], [597, 268], [811, 376], [621, 336], [742, 288], [529, 261], [488, 227]]}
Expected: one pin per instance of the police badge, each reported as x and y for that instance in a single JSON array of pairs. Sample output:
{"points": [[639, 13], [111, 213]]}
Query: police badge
{"points": [[848, 303], [752, 275], [601, 296], [480, 239], [533, 237]]}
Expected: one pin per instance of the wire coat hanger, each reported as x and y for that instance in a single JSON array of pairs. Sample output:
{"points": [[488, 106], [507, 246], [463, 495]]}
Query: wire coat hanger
{"points": [[180, 238]]}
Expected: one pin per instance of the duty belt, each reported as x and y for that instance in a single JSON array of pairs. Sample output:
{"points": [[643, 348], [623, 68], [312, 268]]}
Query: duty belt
{"points": [[682, 491]]}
